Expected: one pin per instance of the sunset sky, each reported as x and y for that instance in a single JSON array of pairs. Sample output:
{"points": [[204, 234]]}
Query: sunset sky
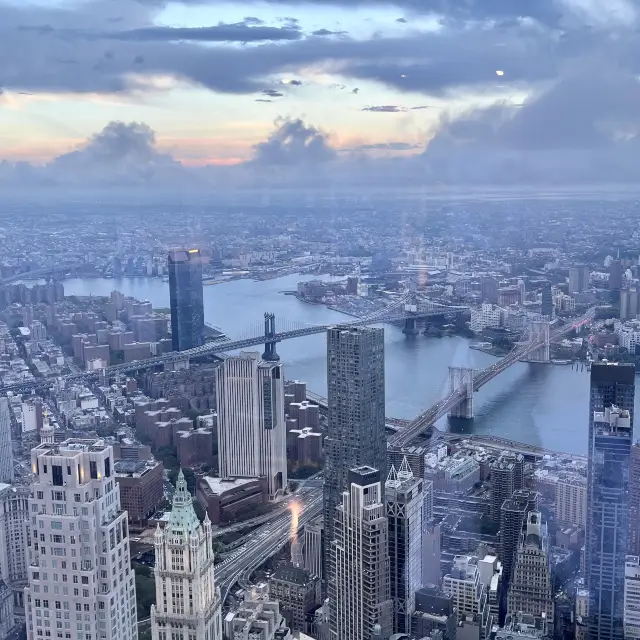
{"points": [[374, 79]]}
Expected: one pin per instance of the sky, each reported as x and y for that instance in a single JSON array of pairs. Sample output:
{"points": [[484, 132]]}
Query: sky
{"points": [[319, 91]]}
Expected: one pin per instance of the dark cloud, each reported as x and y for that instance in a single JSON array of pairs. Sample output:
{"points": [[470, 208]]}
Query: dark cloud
{"points": [[385, 108], [272, 93], [326, 32], [421, 106], [401, 20], [238, 32], [295, 83], [294, 143], [263, 100]]}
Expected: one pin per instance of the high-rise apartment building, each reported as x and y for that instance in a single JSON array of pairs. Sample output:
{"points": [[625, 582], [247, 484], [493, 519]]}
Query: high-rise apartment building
{"points": [[6, 451], [356, 412], [79, 546], [531, 589], [405, 507], [571, 500], [188, 602], [360, 602], [14, 530], [512, 518], [507, 476], [632, 597], [469, 595], [608, 519], [578, 278], [185, 297], [252, 439]]}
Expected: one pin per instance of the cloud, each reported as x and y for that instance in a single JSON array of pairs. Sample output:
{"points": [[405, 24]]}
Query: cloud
{"points": [[421, 106], [272, 93], [401, 20], [385, 108], [327, 32], [387, 146], [263, 100], [294, 143], [238, 32]]}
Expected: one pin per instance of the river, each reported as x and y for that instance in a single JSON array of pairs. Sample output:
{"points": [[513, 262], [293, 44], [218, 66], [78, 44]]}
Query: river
{"points": [[543, 405]]}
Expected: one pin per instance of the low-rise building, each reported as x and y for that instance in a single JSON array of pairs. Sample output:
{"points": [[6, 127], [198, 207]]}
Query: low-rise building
{"points": [[226, 499], [141, 488], [297, 592]]}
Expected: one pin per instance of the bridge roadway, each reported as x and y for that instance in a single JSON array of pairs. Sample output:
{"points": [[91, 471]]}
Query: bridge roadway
{"points": [[431, 415], [389, 314]]}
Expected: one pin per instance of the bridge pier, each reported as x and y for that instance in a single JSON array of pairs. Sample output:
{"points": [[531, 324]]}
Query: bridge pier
{"points": [[461, 378], [410, 328], [270, 354], [539, 331]]}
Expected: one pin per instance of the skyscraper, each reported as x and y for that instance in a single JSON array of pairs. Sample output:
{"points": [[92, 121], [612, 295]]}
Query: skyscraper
{"points": [[632, 598], [79, 548], [360, 603], [252, 439], [188, 602], [608, 517], [6, 451], [405, 512], [185, 296], [507, 476], [578, 278], [531, 589], [546, 307], [356, 412]]}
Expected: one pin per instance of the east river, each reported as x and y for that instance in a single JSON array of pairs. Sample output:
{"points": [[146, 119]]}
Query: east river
{"points": [[543, 405]]}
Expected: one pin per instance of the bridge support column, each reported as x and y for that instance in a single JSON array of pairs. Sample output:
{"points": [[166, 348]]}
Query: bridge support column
{"points": [[176, 364], [461, 379], [270, 354], [410, 328], [539, 332]]}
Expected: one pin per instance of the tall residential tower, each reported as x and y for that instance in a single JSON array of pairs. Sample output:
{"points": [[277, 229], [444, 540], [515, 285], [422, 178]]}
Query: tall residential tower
{"points": [[79, 548], [252, 439], [360, 603], [356, 413], [185, 297]]}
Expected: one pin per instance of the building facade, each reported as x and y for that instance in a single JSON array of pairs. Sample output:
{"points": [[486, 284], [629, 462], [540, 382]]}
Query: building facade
{"points": [[296, 591], [507, 476], [14, 536], [252, 438], [185, 297], [405, 513], [141, 485], [608, 521], [632, 597], [531, 589], [314, 546], [578, 278], [359, 596], [79, 552], [188, 603], [6, 450], [571, 501], [356, 413]]}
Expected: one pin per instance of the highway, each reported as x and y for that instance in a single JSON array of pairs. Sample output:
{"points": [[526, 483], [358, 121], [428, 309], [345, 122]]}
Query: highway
{"points": [[267, 540]]}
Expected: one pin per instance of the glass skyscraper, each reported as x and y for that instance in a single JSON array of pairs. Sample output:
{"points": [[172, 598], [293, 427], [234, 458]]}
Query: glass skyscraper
{"points": [[610, 440], [185, 295], [356, 412]]}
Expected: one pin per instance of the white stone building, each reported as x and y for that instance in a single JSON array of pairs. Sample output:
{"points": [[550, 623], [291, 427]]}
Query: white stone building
{"points": [[252, 438], [487, 315], [81, 584], [188, 602], [571, 500]]}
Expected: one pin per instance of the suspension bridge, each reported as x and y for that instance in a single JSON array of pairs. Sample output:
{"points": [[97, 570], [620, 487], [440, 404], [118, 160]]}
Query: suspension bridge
{"points": [[463, 382], [407, 308]]}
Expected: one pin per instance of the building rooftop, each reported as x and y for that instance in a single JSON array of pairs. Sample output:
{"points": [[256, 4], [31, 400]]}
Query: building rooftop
{"points": [[133, 468], [291, 574], [220, 485]]}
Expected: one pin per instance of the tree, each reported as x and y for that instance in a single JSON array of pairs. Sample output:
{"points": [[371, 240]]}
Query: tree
{"points": [[145, 589]]}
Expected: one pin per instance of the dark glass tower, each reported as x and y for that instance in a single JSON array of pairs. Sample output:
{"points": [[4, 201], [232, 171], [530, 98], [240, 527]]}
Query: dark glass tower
{"points": [[610, 440], [356, 413], [185, 294], [547, 301]]}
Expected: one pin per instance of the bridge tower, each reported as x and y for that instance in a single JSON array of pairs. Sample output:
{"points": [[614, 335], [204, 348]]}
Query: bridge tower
{"points": [[411, 307], [461, 379], [270, 354], [539, 332]]}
